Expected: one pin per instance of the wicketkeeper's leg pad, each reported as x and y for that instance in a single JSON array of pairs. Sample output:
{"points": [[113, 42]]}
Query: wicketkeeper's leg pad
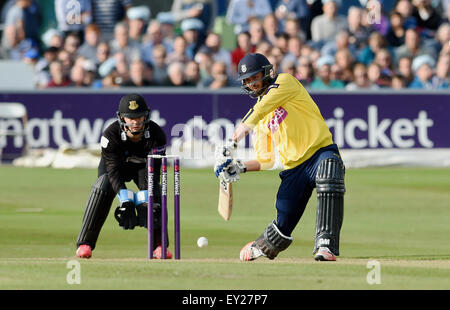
{"points": [[272, 241], [330, 189], [96, 212]]}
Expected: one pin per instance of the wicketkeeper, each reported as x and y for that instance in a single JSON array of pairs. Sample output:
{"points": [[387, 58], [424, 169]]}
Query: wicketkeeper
{"points": [[286, 114], [125, 146]]}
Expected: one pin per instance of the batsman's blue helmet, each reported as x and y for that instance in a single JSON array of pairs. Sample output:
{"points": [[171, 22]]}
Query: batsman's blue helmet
{"points": [[250, 65]]}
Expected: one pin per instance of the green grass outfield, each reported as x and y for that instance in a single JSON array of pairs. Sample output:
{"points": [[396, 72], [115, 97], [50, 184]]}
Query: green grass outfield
{"points": [[397, 216]]}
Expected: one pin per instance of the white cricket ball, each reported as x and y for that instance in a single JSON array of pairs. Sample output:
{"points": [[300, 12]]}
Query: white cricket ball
{"points": [[202, 242]]}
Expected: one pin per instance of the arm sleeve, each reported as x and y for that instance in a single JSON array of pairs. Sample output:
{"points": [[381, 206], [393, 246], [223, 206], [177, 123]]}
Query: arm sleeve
{"points": [[277, 94], [262, 143], [110, 154]]}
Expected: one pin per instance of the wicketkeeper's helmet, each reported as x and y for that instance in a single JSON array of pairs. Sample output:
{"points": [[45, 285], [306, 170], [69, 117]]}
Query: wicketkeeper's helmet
{"points": [[133, 106]]}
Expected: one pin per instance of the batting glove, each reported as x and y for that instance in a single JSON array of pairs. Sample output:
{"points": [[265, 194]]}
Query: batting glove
{"points": [[224, 156], [232, 173]]}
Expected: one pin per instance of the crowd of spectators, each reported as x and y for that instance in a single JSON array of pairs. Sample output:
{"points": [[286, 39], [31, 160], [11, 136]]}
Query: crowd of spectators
{"points": [[111, 43]]}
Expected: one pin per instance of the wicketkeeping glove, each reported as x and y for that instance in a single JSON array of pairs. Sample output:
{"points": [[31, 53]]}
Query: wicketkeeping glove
{"points": [[125, 214]]}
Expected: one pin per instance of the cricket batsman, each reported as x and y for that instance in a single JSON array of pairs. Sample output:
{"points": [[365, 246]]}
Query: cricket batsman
{"points": [[286, 114], [125, 145]]}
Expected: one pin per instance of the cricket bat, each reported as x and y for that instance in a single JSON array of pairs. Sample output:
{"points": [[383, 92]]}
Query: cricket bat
{"points": [[225, 200]]}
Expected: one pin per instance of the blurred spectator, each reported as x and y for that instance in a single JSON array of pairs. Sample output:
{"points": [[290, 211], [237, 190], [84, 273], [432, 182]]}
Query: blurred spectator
{"points": [[121, 67], [344, 60], [108, 76], [58, 76], [167, 26], [374, 73], [446, 9], [277, 54], [288, 66], [442, 77], [218, 53], [359, 34], [244, 47], [294, 49], [293, 29], [423, 66], [105, 69], [31, 57], [282, 42], [405, 69], [412, 46], [240, 12], [90, 72], [175, 75], [326, 26], [204, 10], [398, 82], [138, 74], [192, 31], [385, 80], [71, 44], [219, 77], [256, 31], [376, 42], [53, 37], [102, 53], [323, 78], [159, 64], [179, 51], [440, 44], [73, 16], [263, 48], [305, 71], [91, 39], [314, 56], [107, 13], [384, 59], [405, 8], [361, 79], [396, 34], [292, 9], [204, 60], [138, 18], [123, 44], [342, 41], [192, 73], [154, 37], [42, 68], [427, 17], [66, 60], [77, 75], [271, 28], [275, 63], [21, 28]]}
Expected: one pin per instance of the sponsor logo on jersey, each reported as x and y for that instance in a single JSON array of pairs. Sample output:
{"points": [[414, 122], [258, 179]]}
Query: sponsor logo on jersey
{"points": [[278, 117]]}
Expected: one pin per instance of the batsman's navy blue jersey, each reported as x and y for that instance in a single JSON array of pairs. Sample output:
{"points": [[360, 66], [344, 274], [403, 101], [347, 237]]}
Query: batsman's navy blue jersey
{"points": [[126, 160]]}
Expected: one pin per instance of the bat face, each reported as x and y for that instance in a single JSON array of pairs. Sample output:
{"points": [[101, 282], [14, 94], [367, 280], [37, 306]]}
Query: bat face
{"points": [[225, 200]]}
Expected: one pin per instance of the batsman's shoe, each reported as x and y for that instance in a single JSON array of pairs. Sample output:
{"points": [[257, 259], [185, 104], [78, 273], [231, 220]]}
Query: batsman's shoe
{"points": [[157, 253], [250, 252], [84, 251], [324, 254]]}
